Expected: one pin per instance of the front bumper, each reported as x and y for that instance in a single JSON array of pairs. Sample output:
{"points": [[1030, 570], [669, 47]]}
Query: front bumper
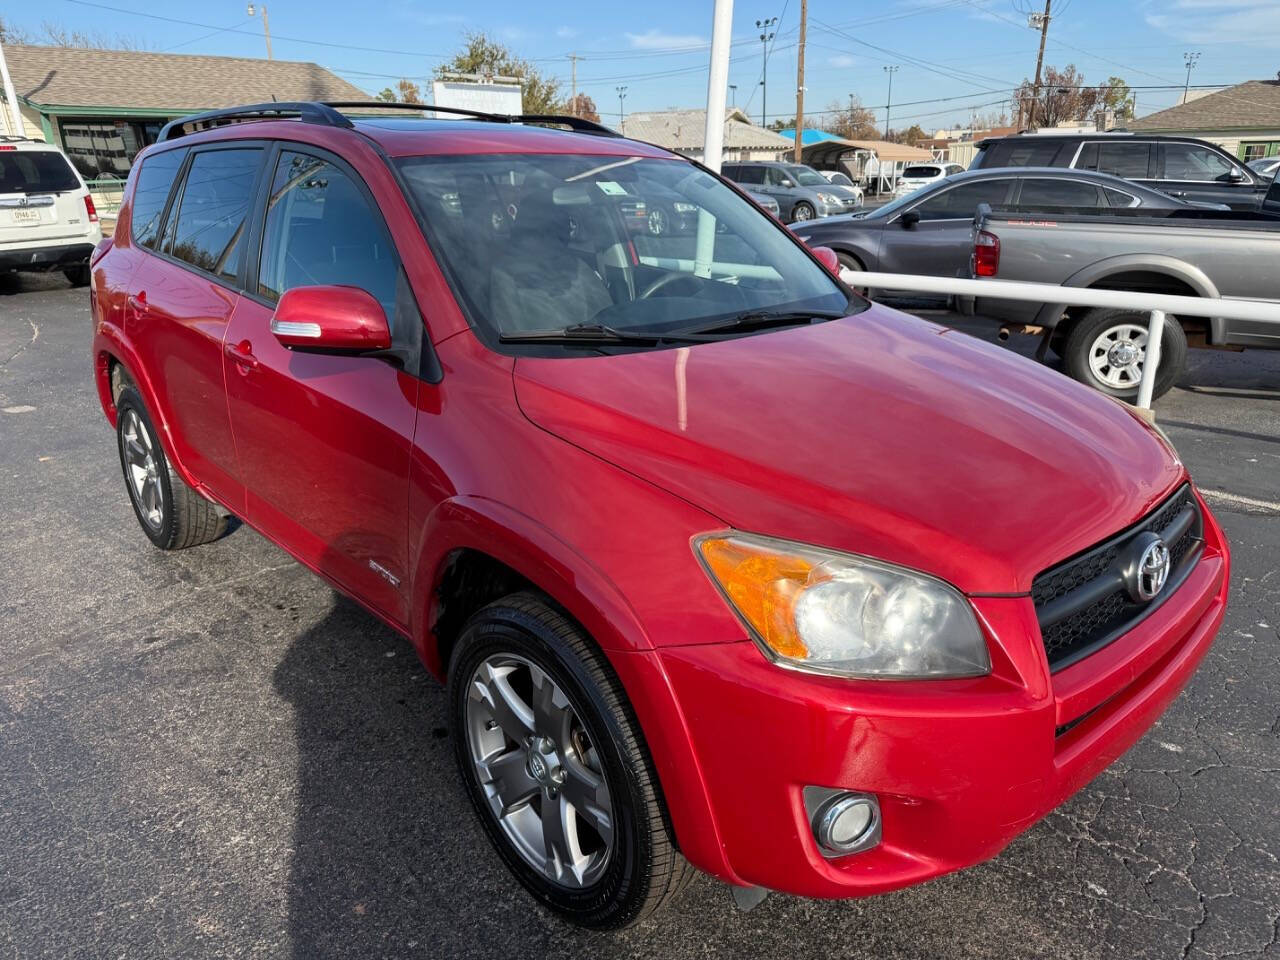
{"points": [[960, 767], [45, 257]]}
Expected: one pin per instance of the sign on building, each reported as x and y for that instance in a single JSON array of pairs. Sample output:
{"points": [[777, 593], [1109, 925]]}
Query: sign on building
{"points": [[485, 97]]}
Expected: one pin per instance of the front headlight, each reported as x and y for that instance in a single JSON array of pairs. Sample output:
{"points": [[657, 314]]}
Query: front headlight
{"points": [[827, 612], [682, 207], [828, 198]]}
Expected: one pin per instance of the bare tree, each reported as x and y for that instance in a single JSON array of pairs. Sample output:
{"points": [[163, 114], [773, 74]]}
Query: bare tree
{"points": [[56, 35], [852, 121], [1063, 97]]}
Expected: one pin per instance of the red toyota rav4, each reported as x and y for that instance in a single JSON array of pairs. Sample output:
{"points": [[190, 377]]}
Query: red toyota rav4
{"points": [[723, 565]]}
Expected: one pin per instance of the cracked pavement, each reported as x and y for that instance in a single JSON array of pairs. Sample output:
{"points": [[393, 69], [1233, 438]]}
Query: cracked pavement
{"points": [[210, 754]]}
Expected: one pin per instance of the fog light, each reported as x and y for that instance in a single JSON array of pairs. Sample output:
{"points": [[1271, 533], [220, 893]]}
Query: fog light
{"points": [[843, 822]]}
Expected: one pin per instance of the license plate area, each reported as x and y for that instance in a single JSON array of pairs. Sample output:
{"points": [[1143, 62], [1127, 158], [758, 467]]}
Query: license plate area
{"points": [[26, 216]]}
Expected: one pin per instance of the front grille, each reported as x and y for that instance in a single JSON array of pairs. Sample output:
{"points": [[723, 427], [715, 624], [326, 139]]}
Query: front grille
{"points": [[1082, 603]]}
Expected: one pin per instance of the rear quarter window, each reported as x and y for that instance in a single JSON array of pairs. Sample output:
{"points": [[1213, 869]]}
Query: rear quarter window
{"points": [[155, 180], [922, 172], [1026, 153], [36, 171]]}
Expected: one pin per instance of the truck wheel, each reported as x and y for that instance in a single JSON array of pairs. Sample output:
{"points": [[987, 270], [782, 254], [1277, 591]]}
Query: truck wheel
{"points": [[555, 767], [172, 515], [802, 211], [1106, 349], [77, 276]]}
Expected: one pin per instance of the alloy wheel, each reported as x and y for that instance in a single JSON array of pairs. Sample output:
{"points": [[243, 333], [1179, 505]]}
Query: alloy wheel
{"points": [[539, 771], [657, 222], [1117, 354], [142, 466]]}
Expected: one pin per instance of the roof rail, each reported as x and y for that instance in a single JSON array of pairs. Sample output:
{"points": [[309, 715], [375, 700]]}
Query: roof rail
{"points": [[306, 111], [14, 138], [578, 124]]}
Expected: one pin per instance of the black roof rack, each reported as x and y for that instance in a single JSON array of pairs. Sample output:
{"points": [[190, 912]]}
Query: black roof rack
{"points": [[326, 113], [306, 111]]}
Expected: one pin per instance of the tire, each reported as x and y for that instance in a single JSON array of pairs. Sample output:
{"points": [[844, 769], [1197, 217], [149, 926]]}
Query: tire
{"points": [[77, 276], [587, 733], [657, 222], [850, 262], [171, 514], [802, 211], [1086, 355]]}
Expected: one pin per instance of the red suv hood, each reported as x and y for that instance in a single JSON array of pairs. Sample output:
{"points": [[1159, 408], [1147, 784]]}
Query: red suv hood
{"points": [[880, 434]]}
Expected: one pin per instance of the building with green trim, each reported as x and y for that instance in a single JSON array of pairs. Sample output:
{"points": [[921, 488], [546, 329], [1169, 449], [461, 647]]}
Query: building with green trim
{"points": [[1244, 119], [103, 106]]}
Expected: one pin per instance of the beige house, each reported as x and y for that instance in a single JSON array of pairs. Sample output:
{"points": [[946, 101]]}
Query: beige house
{"points": [[682, 132], [1244, 119], [103, 106]]}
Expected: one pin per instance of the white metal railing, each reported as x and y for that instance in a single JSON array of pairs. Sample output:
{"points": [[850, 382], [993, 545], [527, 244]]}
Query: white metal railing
{"points": [[1156, 305]]}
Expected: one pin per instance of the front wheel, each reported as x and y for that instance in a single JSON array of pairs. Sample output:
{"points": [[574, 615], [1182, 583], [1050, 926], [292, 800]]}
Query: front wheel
{"points": [[1106, 349], [555, 767], [802, 211], [77, 276]]}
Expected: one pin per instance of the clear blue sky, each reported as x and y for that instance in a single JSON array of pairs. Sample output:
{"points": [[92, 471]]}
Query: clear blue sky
{"points": [[971, 50]]}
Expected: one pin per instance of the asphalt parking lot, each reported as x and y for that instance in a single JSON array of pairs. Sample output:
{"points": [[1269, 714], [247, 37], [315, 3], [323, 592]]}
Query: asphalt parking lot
{"points": [[210, 754]]}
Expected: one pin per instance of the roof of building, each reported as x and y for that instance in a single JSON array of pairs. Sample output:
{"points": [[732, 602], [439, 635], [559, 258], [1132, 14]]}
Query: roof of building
{"points": [[74, 76], [1254, 103], [683, 130], [808, 136]]}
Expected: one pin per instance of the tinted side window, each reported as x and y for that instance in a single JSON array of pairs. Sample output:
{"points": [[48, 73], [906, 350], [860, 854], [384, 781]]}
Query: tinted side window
{"points": [[750, 175], [154, 182], [1058, 193], [1028, 152], [321, 230], [962, 202], [1118, 198], [36, 171], [1186, 161], [1128, 160], [212, 215]]}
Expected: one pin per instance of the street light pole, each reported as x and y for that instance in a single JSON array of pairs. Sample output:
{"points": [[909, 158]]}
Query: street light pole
{"points": [[888, 103], [266, 26], [765, 36], [733, 92], [1190, 60], [622, 117]]}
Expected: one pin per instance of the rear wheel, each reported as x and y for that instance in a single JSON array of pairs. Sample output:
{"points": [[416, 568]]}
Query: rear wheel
{"points": [[553, 762], [850, 264], [77, 276], [171, 514], [1107, 350], [802, 211]]}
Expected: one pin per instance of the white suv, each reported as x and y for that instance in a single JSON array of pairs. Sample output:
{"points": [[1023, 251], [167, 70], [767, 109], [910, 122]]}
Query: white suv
{"points": [[47, 217], [923, 175]]}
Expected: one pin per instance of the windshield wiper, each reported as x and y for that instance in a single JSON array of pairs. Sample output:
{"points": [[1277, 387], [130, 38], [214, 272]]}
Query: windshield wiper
{"points": [[761, 320], [595, 334]]}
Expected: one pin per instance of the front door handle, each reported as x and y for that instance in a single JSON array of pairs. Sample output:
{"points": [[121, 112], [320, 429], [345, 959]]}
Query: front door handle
{"points": [[242, 353], [137, 302]]}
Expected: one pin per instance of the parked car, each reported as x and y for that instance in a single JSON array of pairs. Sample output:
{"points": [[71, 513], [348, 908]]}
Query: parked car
{"points": [[920, 175], [766, 203], [48, 220], [930, 232], [1265, 167], [841, 179], [1182, 167], [1194, 253], [801, 192], [721, 564]]}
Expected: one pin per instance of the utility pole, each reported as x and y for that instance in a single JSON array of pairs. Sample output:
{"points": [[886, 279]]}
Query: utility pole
{"points": [[573, 84], [804, 21], [266, 27], [622, 117], [1040, 20], [733, 91], [888, 103], [15, 112], [1190, 60], [765, 36]]}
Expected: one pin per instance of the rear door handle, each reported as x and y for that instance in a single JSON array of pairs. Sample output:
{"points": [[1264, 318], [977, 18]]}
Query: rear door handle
{"points": [[242, 353]]}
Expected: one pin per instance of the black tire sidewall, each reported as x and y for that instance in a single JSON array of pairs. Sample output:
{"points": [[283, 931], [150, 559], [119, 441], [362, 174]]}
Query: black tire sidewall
{"points": [[803, 205], [499, 628], [1075, 351], [77, 276], [165, 535]]}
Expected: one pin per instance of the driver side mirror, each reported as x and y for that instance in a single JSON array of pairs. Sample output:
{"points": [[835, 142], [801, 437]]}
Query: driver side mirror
{"points": [[788, 182], [1236, 175], [331, 318], [909, 219]]}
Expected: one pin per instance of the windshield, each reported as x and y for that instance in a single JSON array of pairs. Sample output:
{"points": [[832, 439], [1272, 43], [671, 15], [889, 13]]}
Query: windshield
{"points": [[36, 171], [921, 173], [806, 176], [537, 243]]}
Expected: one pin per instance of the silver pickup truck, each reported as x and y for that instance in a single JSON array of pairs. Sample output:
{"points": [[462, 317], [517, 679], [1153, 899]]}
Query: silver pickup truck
{"points": [[1196, 253]]}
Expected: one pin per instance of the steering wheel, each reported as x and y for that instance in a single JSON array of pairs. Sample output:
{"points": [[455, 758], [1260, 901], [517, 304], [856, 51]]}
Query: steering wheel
{"points": [[663, 282]]}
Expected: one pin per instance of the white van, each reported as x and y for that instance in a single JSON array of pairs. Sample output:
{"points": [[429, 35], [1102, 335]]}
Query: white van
{"points": [[47, 217]]}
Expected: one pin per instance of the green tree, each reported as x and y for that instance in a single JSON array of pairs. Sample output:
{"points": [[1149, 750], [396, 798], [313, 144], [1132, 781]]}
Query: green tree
{"points": [[1117, 97], [482, 55], [386, 95], [913, 134]]}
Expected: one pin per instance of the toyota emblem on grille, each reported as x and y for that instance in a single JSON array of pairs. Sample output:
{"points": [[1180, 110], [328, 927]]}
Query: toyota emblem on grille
{"points": [[1148, 570]]}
